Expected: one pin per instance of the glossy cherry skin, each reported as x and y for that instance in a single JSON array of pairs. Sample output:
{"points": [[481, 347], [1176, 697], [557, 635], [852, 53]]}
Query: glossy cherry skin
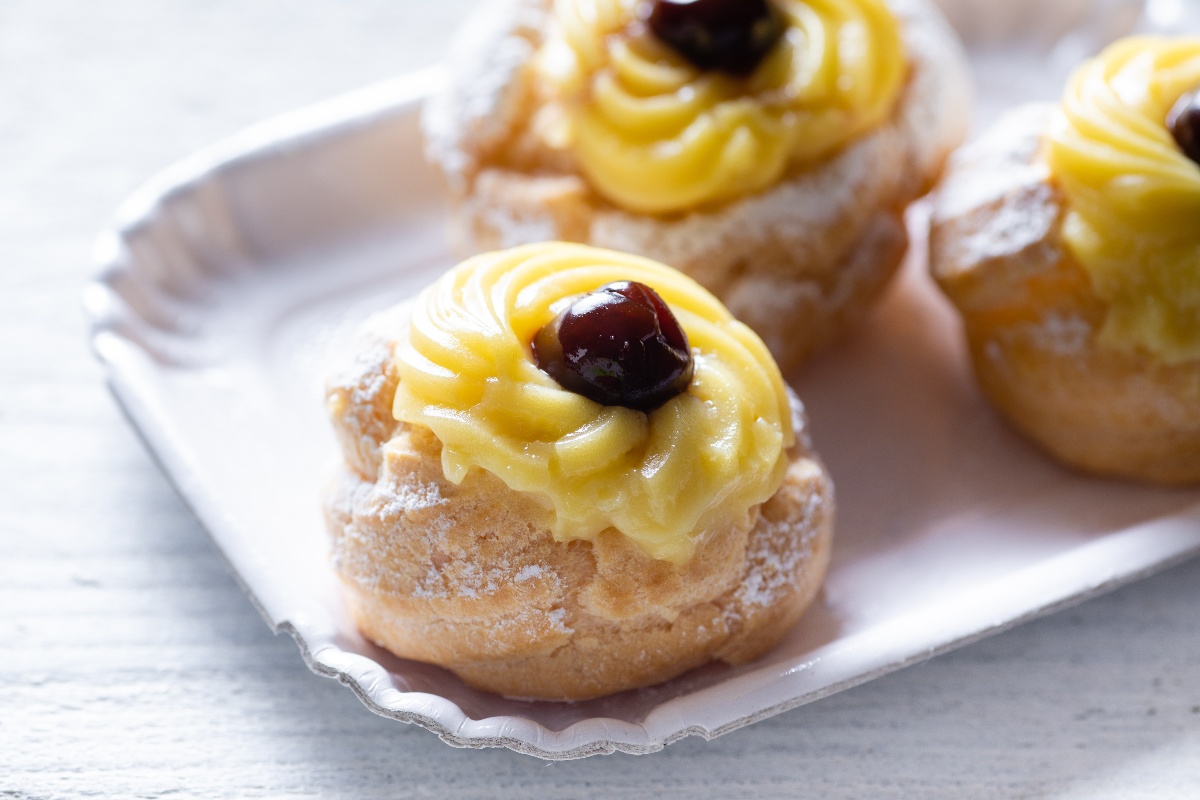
{"points": [[1184, 124], [732, 36], [619, 345]]}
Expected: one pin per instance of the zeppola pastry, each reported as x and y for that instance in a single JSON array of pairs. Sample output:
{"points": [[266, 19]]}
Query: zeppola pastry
{"points": [[767, 148], [568, 472], [1069, 238]]}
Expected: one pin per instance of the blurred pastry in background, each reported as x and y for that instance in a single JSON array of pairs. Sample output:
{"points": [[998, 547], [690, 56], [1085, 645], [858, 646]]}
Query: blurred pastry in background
{"points": [[767, 148], [1069, 238]]}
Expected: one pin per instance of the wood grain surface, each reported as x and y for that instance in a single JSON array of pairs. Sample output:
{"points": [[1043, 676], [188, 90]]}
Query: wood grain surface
{"points": [[131, 665]]}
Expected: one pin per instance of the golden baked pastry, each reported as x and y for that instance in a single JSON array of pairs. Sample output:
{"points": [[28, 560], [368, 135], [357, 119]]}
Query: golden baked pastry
{"points": [[540, 543], [1067, 237], [780, 187]]}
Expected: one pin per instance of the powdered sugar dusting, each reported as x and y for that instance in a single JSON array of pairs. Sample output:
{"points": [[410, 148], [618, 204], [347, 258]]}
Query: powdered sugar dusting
{"points": [[1063, 334], [474, 581], [776, 554], [515, 230], [477, 111], [1060, 334], [365, 375], [529, 572], [409, 497], [772, 569]]}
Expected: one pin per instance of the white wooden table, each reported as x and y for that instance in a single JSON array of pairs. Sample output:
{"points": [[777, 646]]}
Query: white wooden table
{"points": [[130, 663]]}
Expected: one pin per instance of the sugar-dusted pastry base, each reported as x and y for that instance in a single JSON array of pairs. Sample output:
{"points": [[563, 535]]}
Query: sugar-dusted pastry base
{"points": [[798, 263], [468, 576], [1032, 318]]}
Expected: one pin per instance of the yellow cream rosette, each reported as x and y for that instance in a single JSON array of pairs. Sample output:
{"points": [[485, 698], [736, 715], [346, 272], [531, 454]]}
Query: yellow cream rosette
{"points": [[655, 134], [1133, 197], [699, 462]]}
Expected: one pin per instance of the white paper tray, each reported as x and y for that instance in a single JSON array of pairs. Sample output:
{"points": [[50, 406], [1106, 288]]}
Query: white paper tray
{"points": [[228, 280]]}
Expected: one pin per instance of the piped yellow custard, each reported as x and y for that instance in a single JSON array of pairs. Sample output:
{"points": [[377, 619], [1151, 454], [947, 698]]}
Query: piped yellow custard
{"points": [[701, 461], [1133, 196], [656, 134]]}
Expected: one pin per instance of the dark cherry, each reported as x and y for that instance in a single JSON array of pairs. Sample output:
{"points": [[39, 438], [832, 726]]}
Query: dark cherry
{"points": [[728, 35], [619, 345], [1184, 124]]}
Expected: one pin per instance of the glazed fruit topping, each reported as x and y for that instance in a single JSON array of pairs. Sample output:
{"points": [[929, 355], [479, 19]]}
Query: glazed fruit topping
{"points": [[1184, 124], [728, 35], [619, 345]]}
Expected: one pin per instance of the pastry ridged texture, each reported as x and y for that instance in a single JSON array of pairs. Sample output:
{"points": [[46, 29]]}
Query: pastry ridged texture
{"points": [[798, 262], [1033, 321], [470, 577]]}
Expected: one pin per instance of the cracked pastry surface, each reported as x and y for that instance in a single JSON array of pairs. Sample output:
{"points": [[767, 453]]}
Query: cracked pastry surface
{"points": [[791, 214], [482, 578], [1064, 260]]}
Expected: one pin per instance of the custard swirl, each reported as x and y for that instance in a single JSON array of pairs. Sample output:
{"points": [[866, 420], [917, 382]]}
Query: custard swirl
{"points": [[1133, 196], [654, 134], [699, 462]]}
